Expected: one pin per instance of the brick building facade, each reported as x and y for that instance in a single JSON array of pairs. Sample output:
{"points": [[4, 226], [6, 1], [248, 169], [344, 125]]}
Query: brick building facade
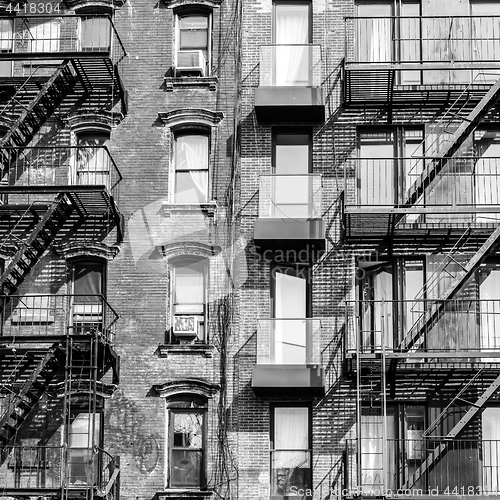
{"points": [[249, 249]]}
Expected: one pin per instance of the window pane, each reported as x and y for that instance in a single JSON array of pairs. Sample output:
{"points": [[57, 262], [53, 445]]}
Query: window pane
{"points": [[189, 284], [191, 152], [188, 430], [191, 163], [194, 40], [44, 37], [291, 428], [87, 279], [194, 22], [191, 187], [96, 34], [186, 468], [92, 159]]}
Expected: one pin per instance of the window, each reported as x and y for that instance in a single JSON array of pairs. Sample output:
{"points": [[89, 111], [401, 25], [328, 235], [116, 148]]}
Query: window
{"points": [[87, 288], [83, 462], [402, 429], [193, 44], [6, 45], [390, 292], [389, 164], [188, 300], [291, 332], [186, 418], [44, 37], [95, 34], [380, 37], [93, 159], [291, 454], [292, 190], [191, 168], [292, 38]]}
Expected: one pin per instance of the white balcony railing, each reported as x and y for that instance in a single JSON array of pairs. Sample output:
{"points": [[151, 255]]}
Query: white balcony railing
{"points": [[290, 196], [290, 66], [289, 341]]}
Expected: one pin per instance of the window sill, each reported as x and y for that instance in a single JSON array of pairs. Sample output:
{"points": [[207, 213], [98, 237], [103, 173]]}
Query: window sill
{"points": [[172, 82], [205, 350], [173, 494], [208, 209]]}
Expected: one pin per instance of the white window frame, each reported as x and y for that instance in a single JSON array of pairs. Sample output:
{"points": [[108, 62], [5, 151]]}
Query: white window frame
{"points": [[201, 324], [178, 16], [185, 133]]}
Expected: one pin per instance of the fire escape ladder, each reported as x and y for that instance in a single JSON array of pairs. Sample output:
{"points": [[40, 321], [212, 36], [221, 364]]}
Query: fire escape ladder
{"points": [[36, 113], [435, 165], [415, 336], [34, 246], [25, 400], [435, 455]]}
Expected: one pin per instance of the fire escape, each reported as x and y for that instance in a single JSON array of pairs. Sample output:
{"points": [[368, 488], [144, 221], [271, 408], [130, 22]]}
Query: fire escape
{"points": [[57, 360], [440, 211]]}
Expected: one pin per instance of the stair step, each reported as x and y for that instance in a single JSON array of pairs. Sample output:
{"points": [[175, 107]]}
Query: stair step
{"points": [[24, 405], [16, 416], [9, 428]]}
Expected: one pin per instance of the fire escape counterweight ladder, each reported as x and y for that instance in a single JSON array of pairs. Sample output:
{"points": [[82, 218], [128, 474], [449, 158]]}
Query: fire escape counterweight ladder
{"points": [[35, 245], [29, 395]]}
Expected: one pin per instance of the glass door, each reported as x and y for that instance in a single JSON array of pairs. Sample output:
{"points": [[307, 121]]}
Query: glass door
{"points": [[292, 38], [290, 344], [292, 190]]}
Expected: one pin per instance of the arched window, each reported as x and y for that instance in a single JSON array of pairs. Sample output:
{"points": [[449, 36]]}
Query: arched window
{"points": [[192, 55], [186, 430], [191, 158], [92, 165], [188, 297], [87, 290]]}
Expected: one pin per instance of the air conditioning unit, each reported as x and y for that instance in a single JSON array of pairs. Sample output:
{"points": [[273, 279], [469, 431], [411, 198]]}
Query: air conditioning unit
{"points": [[185, 327], [190, 62]]}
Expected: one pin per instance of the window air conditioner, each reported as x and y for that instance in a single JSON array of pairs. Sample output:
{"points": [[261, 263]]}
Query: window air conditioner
{"points": [[190, 62], [185, 327]]}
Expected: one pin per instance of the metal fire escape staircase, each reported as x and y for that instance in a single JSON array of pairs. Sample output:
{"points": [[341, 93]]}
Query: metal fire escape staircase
{"points": [[434, 167], [34, 246], [25, 400], [35, 114], [434, 308], [473, 408]]}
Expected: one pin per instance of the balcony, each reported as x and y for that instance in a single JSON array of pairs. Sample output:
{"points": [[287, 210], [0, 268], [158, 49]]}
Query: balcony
{"points": [[44, 470], [87, 172], [90, 42], [465, 466], [290, 212], [465, 327], [47, 317], [289, 359], [404, 199], [424, 58], [290, 84]]}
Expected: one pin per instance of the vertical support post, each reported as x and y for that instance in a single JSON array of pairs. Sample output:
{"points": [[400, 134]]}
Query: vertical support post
{"points": [[385, 454]]}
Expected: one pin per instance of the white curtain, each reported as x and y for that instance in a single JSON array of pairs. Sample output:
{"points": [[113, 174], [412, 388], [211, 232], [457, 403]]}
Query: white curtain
{"points": [[290, 335], [44, 37], [491, 449], [192, 157], [291, 434], [188, 290], [372, 457], [292, 51], [93, 163]]}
